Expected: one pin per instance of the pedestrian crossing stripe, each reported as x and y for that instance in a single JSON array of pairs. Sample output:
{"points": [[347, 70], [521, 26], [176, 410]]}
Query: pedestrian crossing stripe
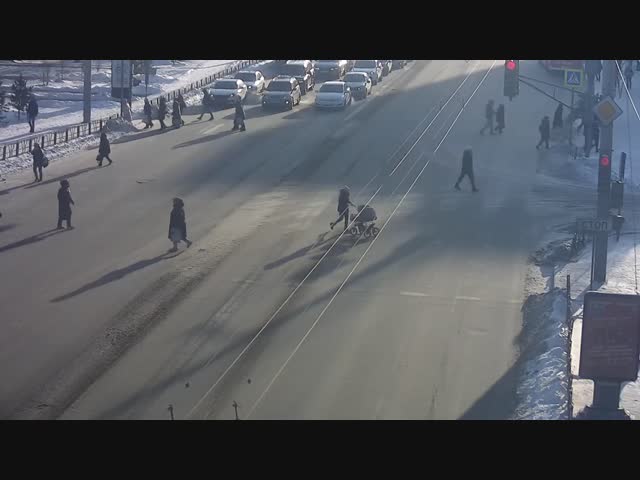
{"points": [[573, 78]]}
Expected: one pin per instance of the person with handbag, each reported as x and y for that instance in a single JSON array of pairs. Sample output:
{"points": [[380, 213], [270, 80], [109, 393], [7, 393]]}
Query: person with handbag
{"points": [[104, 149], [39, 161]]}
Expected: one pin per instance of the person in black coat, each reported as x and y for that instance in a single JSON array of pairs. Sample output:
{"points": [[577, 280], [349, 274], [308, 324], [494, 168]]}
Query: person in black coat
{"points": [[557, 117], [181, 101], [238, 120], [162, 112], [38, 161], [178, 225], [64, 204], [207, 104], [545, 132], [489, 115], [32, 113], [500, 118], [344, 201], [104, 149], [147, 114], [176, 114], [467, 169]]}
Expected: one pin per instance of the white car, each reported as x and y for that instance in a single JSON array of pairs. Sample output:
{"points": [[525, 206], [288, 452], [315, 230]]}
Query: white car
{"points": [[225, 91], [333, 95], [360, 84], [373, 68], [254, 80]]}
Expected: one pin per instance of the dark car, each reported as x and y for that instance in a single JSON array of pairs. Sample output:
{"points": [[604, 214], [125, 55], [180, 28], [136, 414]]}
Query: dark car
{"points": [[283, 91], [396, 64], [331, 69], [387, 65], [301, 70]]}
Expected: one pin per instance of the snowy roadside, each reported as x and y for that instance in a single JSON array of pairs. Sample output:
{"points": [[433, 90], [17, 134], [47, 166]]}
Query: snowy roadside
{"points": [[114, 130], [60, 102]]}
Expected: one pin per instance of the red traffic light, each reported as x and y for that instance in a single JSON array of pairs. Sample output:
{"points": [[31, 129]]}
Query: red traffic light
{"points": [[511, 65], [604, 161]]}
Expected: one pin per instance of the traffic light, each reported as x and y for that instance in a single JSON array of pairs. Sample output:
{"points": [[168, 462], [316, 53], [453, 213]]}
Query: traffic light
{"points": [[604, 172], [511, 76]]}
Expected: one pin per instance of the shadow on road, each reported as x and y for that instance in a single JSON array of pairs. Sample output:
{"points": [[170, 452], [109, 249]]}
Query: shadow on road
{"points": [[301, 252], [115, 275], [8, 226], [208, 138], [60, 177], [29, 240]]}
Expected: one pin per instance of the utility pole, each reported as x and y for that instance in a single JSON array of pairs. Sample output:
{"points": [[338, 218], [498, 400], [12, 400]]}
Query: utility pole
{"points": [[121, 88], [86, 97], [601, 239], [588, 114]]}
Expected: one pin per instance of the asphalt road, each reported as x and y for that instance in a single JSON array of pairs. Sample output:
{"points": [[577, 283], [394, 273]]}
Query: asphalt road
{"points": [[269, 308]]}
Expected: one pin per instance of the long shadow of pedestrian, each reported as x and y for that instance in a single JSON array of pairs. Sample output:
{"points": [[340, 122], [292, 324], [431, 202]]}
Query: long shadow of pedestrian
{"points": [[208, 138], [136, 136], [8, 226], [29, 240], [301, 252], [60, 177], [115, 275]]}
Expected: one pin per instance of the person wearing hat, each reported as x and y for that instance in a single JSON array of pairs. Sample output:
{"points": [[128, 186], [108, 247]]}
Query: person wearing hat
{"points": [[147, 114], [207, 104], [238, 120], [178, 225], [64, 204], [344, 201], [104, 149], [38, 161], [467, 169]]}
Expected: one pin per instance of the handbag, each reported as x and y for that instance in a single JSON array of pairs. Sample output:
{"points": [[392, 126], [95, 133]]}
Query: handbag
{"points": [[99, 158], [45, 162]]}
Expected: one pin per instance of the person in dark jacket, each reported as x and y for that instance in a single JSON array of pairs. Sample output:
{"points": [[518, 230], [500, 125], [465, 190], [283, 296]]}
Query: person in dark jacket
{"points": [[32, 113], [104, 149], [500, 118], [344, 201], [183, 104], [489, 115], [557, 117], [147, 114], [628, 74], [178, 225], [38, 161], [207, 104], [238, 120], [467, 169], [162, 112], [176, 114], [64, 204], [545, 132], [595, 133]]}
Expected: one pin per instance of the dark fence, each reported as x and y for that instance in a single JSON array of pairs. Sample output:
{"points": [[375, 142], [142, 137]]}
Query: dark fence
{"points": [[66, 134]]}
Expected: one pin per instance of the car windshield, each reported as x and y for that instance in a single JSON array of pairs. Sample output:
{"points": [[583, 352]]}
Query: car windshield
{"points": [[331, 88], [246, 76], [365, 64], [294, 70], [354, 77], [327, 63], [226, 84], [282, 86]]}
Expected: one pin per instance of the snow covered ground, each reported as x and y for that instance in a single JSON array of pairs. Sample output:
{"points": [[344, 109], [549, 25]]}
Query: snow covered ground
{"points": [[169, 77], [60, 102]]}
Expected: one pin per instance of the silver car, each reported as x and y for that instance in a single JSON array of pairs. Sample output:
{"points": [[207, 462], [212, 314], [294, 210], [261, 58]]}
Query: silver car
{"points": [[253, 79], [226, 90], [360, 84], [333, 95], [373, 68]]}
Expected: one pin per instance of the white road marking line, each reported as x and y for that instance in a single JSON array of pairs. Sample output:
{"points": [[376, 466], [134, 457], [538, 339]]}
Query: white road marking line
{"points": [[415, 294], [212, 129], [472, 299]]}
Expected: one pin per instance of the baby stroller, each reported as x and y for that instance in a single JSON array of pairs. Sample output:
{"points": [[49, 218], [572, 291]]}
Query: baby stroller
{"points": [[365, 222]]}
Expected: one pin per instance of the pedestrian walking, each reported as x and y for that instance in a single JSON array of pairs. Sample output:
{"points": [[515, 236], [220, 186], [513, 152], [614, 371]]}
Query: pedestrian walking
{"points": [[557, 117], [183, 104], [32, 113], [147, 114], [545, 132], [467, 169], [238, 119], [104, 149], [489, 115], [596, 134], [176, 114], [628, 75], [64, 204], [344, 201], [207, 104], [500, 118], [38, 161], [162, 112], [178, 225]]}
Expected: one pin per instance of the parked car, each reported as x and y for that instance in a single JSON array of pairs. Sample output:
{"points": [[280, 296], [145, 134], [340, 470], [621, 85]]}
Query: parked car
{"points": [[254, 80], [225, 91], [387, 65], [283, 91], [359, 83], [303, 71], [333, 95], [373, 68], [331, 69], [396, 64]]}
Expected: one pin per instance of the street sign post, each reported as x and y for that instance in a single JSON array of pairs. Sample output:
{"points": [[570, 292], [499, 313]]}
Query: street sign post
{"points": [[593, 225], [573, 78], [607, 110]]}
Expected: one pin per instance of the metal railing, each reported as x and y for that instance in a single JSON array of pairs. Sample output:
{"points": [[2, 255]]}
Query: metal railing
{"points": [[23, 145]]}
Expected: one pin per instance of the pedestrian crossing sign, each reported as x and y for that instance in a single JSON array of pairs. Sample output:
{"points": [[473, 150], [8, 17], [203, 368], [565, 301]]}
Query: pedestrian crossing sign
{"points": [[573, 78]]}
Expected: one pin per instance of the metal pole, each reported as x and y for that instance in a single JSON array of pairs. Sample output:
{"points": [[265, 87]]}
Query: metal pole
{"points": [[86, 112], [235, 407], [171, 411], [604, 188], [570, 116], [121, 87], [588, 114]]}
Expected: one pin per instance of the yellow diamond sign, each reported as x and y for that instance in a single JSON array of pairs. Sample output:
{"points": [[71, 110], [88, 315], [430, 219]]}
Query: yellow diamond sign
{"points": [[607, 110]]}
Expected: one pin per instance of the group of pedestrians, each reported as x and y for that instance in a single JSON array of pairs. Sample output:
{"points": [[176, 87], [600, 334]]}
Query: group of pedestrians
{"points": [[494, 119]]}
